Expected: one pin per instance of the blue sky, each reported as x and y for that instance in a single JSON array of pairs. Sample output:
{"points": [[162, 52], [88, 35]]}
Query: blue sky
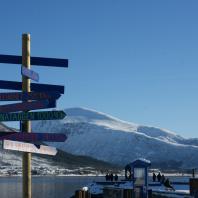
{"points": [[136, 60]]}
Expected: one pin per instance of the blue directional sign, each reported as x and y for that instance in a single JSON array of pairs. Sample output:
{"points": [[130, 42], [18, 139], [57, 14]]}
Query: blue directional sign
{"points": [[24, 96], [30, 74], [32, 137], [37, 61], [27, 106], [14, 85]]}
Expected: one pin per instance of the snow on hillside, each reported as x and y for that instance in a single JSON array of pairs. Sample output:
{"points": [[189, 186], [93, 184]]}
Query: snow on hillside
{"points": [[104, 137]]}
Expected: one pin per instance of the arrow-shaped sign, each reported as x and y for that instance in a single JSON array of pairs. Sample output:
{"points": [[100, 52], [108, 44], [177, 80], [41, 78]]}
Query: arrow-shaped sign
{"points": [[4, 84], [40, 115], [28, 147], [29, 73], [37, 61], [24, 96], [33, 137], [27, 106]]}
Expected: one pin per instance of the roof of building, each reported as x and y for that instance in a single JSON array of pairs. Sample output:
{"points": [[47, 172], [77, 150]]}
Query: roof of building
{"points": [[140, 162]]}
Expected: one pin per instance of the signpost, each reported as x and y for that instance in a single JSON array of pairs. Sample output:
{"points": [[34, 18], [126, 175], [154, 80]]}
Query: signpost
{"points": [[25, 116], [14, 85], [26, 126], [32, 137], [30, 74], [33, 96], [28, 147], [27, 106], [20, 96]]}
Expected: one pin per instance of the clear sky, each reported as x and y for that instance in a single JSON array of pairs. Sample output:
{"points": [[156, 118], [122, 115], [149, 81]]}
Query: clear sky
{"points": [[136, 60]]}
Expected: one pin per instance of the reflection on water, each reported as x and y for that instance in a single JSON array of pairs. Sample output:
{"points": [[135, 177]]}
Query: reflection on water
{"points": [[50, 187]]}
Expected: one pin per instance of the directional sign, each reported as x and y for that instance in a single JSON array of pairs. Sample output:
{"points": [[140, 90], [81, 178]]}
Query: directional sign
{"points": [[27, 106], [19, 96], [32, 137], [28, 147], [4, 84], [29, 73], [40, 115], [37, 61]]}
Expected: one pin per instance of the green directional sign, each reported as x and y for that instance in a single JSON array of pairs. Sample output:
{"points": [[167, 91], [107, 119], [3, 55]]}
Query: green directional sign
{"points": [[40, 115]]}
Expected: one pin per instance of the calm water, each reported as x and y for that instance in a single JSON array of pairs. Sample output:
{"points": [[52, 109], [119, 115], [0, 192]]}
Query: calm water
{"points": [[44, 187], [50, 187]]}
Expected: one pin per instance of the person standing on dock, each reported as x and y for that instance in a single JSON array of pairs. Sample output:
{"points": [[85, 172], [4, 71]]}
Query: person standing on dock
{"points": [[107, 177], [116, 177], [159, 177], [154, 177], [111, 177]]}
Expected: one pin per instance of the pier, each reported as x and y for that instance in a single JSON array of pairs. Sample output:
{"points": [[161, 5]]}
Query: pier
{"points": [[138, 186]]}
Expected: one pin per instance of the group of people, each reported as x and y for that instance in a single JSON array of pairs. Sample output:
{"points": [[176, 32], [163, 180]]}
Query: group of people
{"points": [[111, 177], [161, 178]]}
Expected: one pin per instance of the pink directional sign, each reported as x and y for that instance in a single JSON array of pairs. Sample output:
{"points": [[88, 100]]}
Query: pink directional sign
{"points": [[28, 147], [27, 106], [30, 73], [33, 137]]}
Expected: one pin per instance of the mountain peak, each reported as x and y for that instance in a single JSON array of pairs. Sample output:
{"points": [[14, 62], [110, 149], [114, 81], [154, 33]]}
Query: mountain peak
{"points": [[87, 113], [92, 114]]}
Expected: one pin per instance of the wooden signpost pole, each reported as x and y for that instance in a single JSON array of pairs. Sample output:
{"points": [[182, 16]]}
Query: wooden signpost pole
{"points": [[26, 125]]}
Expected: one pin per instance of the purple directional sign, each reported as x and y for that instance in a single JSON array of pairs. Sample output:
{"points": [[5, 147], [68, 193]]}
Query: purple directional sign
{"points": [[33, 137], [23, 96], [27, 106], [30, 74]]}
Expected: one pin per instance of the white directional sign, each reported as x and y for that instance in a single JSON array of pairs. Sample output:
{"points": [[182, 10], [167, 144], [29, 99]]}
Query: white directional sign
{"points": [[29, 73], [28, 147]]}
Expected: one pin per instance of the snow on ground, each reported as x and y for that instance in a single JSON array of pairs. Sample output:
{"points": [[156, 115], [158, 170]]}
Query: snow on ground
{"points": [[181, 190]]}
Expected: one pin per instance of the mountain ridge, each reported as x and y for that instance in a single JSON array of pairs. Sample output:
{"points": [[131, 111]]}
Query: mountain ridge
{"points": [[98, 135]]}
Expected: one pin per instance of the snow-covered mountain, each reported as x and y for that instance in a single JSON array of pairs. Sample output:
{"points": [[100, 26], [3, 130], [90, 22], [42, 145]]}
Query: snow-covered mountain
{"points": [[63, 163], [104, 137]]}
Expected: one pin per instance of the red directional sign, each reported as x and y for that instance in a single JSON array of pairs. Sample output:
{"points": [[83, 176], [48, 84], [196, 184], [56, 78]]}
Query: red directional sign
{"points": [[32, 137], [20, 96], [30, 73], [27, 106], [28, 147]]}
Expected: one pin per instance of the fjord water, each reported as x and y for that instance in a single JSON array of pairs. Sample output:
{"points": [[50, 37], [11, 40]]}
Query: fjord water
{"points": [[54, 186], [47, 186]]}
